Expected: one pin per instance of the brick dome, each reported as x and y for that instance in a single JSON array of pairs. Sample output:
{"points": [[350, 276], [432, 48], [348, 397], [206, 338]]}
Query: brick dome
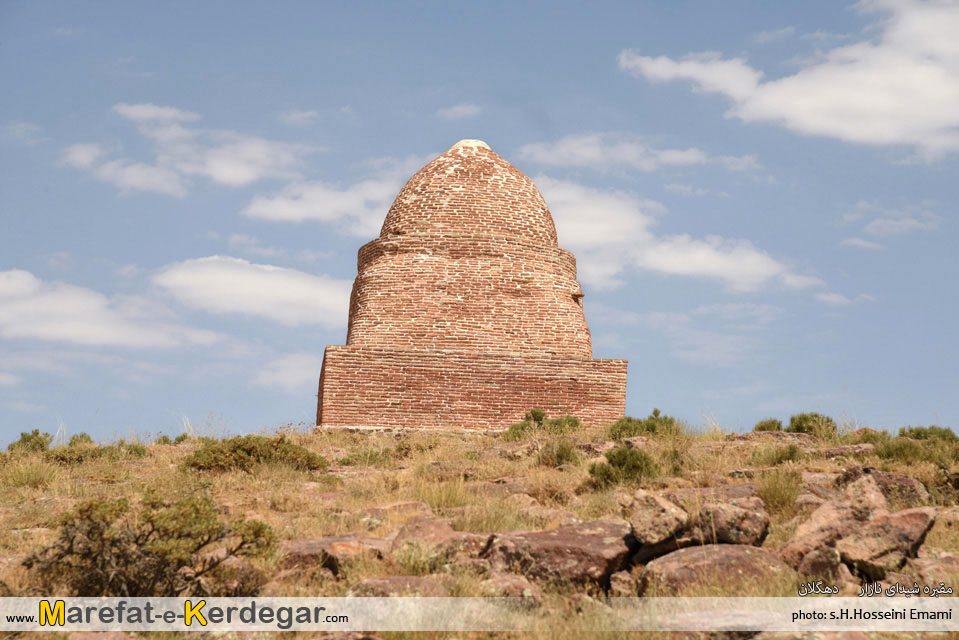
{"points": [[471, 190], [467, 261]]}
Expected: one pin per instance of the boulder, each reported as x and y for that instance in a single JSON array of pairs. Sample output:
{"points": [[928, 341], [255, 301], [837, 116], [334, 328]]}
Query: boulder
{"points": [[329, 552], [898, 487], [834, 520], [848, 450], [932, 571], [436, 536], [822, 563], [510, 585], [687, 570], [596, 448], [580, 553], [622, 585], [654, 518], [726, 523], [702, 495], [636, 442], [431, 586], [885, 542]]}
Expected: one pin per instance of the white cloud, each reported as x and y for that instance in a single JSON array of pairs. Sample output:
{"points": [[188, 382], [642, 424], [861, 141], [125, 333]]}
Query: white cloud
{"points": [[221, 284], [32, 309], [25, 133], [294, 373], [251, 245], [459, 111], [298, 118], [609, 232], [899, 88], [685, 189], [358, 208], [227, 158], [764, 37], [884, 221], [839, 300], [8, 379], [614, 151], [862, 243]]}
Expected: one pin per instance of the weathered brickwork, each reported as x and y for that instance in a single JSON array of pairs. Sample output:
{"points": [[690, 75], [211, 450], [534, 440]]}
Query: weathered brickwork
{"points": [[465, 312]]}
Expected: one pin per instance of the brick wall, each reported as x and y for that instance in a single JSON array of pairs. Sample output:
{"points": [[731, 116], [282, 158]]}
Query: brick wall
{"points": [[466, 278], [369, 387]]}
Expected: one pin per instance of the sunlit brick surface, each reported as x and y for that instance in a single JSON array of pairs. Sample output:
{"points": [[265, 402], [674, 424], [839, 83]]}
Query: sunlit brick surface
{"points": [[465, 312]]}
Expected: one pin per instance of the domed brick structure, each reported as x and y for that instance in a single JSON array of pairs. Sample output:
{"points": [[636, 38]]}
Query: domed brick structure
{"points": [[465, 312]]}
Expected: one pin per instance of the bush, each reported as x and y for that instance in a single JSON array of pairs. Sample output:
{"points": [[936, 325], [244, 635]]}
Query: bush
{"points": [[812, 423], [166, 550], [774, 456], [624, 465], [242, 453], [770, 424], [909, 451], [33, 442], [655, 423], [557, 452], [369, 457], [181, 438], [80, 438], [163, 439], [535, 422], [33, 474], [80, 454], [779, 489], [932, 432]]}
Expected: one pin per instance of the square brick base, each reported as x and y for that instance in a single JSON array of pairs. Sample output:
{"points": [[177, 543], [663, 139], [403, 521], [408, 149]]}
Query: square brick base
{"points": [[364, 387]]}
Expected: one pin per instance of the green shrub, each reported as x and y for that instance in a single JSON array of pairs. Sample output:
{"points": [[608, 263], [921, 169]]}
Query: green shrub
{"points": [[909, 451], [557, 452], [369, 457], [773, 456], [535, 422], [168, 549], [655, 423], [80, 438], [29, 473], [80, 454], [181, 438], [770, 424], [625, 465], [779, 489], [163, 439], [932, 432], [871, 436], [33, 442], [812, 423], [242, 453]]}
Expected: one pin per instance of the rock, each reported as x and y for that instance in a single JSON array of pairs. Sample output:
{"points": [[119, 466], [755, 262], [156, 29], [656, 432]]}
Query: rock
{"points": [[898, 487], [848, 450], [683, 572], [439, 538], [400, 511], [818, 478], [654, 519], [886, 541], [835, 520], [778, 437], [622, 585], [330, 552], [932, 571], [431, 586], [510, 585], [808, 500], [441, 470], [596, 448], [719, 522], [517, 452], [749, 473], [702, 495], [822, 564], [636, 442], [587, 552]]}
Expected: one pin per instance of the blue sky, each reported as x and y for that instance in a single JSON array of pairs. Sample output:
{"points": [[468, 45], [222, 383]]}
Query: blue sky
{"points": [[761, 196]]}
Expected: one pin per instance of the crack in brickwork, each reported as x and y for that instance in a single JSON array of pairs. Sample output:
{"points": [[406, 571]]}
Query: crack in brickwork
{"points": [[465, 312]]}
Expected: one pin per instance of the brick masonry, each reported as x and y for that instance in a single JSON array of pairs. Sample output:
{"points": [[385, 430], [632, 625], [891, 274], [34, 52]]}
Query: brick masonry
{"points": [[465, 312]]}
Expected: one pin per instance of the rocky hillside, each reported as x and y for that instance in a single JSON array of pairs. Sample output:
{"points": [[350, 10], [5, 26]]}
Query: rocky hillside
{"points": [[549, 511]]}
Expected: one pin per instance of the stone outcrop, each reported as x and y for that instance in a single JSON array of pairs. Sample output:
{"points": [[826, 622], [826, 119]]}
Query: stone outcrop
{"points": [[887, 541], [465, 312], [688, 570]]}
